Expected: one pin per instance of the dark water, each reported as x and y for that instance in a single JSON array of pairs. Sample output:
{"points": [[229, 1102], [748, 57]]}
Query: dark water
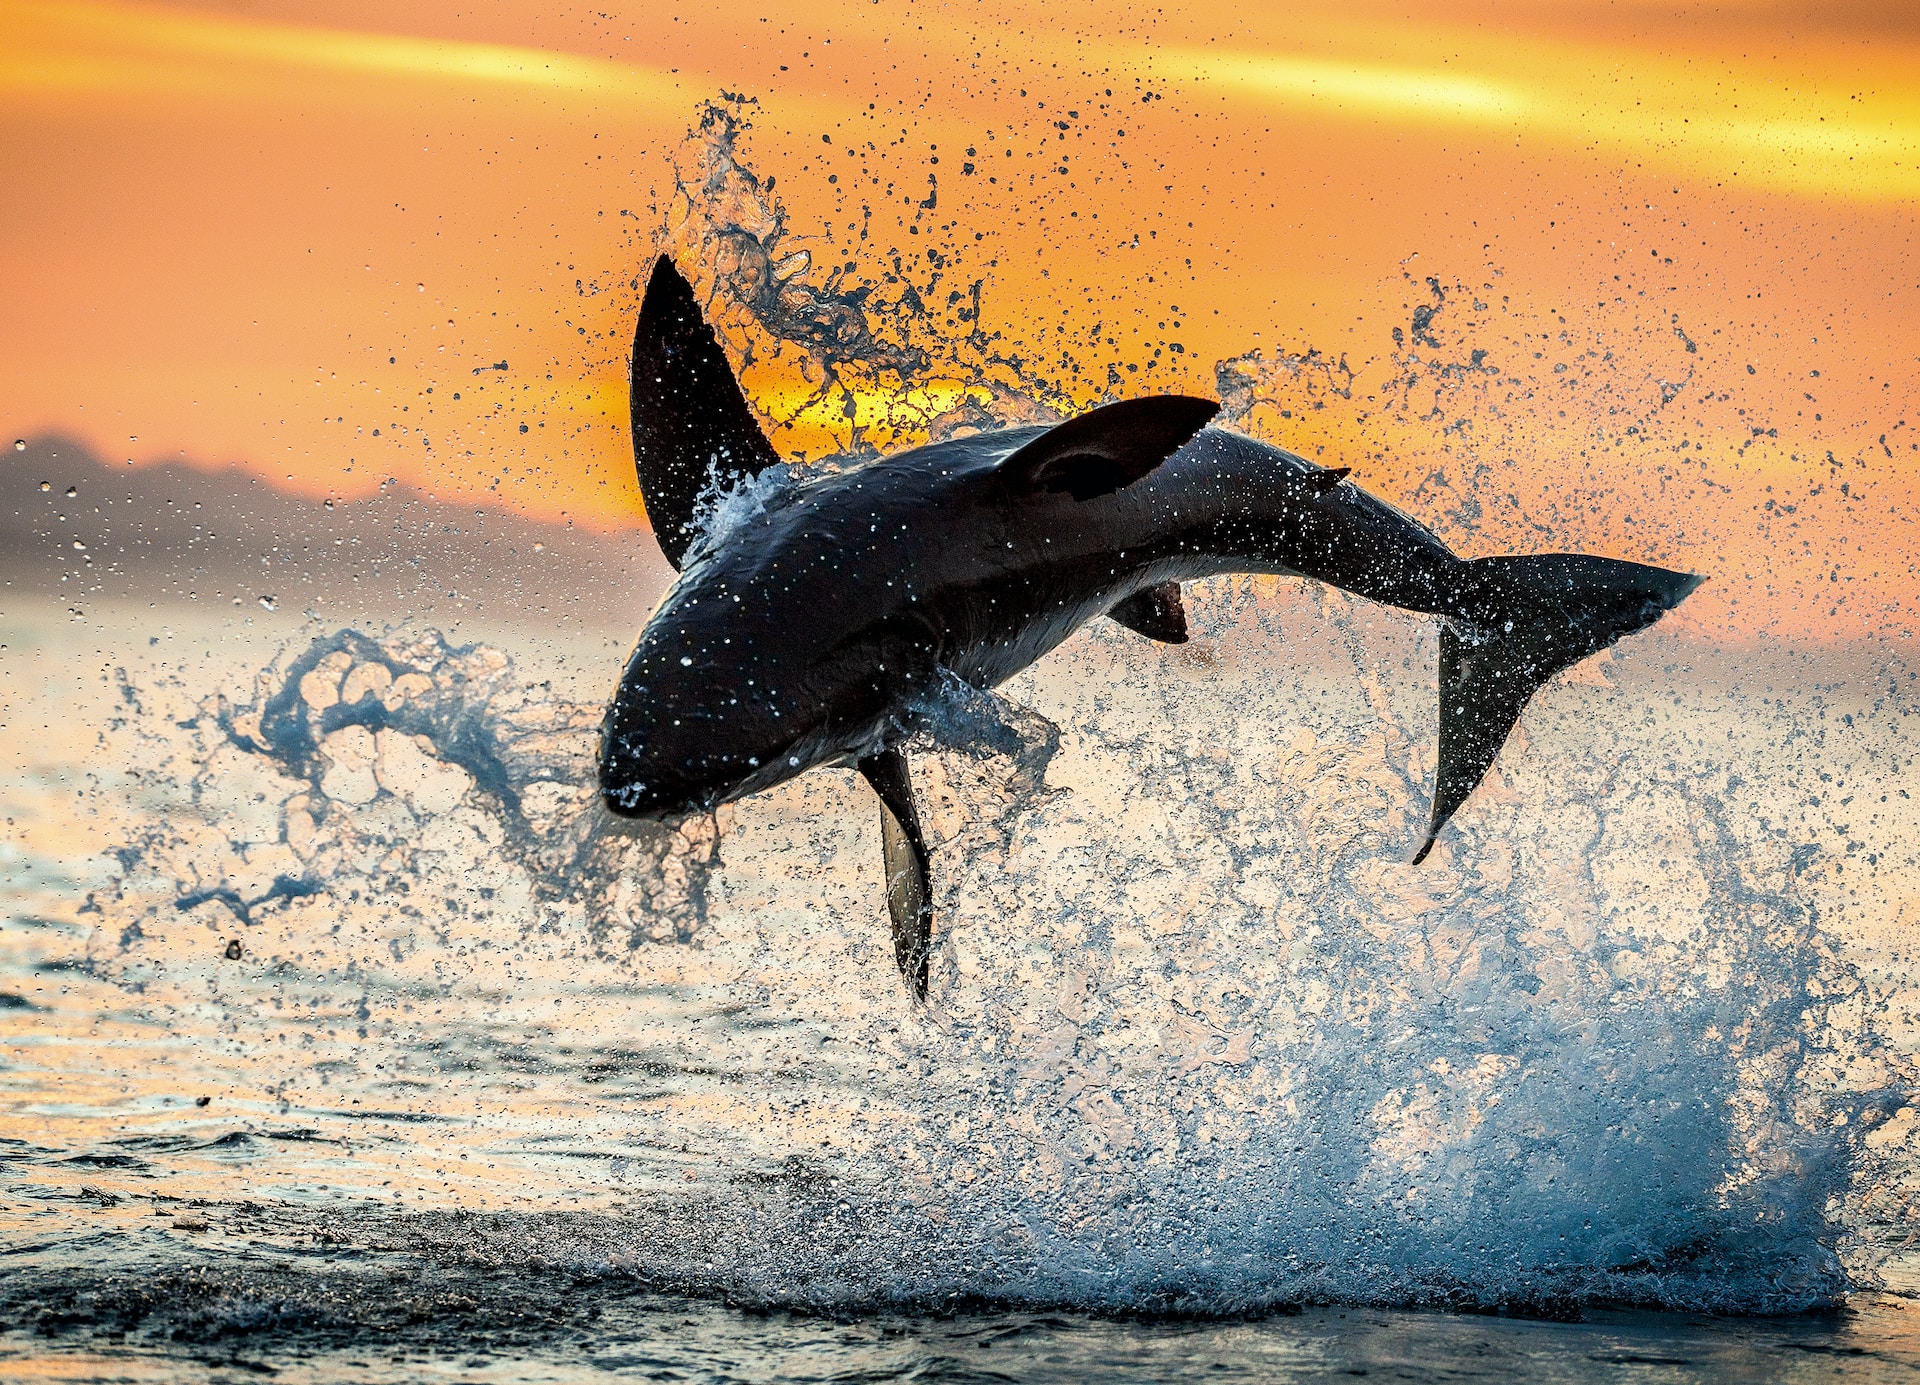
{"points": [[372, 1297]]}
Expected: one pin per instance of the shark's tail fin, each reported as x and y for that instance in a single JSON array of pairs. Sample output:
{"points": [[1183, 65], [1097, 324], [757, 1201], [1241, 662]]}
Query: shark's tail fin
{"points": [[1524, 620]]}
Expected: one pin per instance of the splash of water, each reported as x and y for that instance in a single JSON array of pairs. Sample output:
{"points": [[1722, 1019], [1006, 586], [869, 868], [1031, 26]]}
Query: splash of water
{"points": [[392, 769], [728, 504], [1212, 1046], [887, 352], [1200, 1042]]}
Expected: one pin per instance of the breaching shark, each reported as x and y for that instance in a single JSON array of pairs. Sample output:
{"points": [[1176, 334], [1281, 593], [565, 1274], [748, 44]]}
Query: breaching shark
{"points": [[806, 630]]}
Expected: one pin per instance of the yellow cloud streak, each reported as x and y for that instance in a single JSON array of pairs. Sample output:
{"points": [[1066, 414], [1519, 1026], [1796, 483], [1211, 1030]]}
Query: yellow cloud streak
{"points": [[1671, 116], [1695, 118], [109, 48], [1362, 89]]}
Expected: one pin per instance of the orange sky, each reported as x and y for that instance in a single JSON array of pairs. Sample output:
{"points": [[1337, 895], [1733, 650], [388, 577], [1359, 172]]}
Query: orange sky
{"points": [[256, 232]]}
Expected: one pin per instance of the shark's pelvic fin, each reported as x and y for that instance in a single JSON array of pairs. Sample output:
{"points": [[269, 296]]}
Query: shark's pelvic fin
{"points": [[1156, 613], [1113, 446], [909, 882], [690, 421]]}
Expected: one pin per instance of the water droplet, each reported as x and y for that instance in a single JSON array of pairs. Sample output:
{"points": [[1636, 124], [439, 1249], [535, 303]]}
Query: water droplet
{"points": [[685, 662], [72, 491], [19, 444], [79, 547], [267, 603], [46, 485]]}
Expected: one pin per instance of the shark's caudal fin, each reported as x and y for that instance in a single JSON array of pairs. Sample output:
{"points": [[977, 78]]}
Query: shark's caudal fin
{"points": [[690, 421], [1530, 617]]}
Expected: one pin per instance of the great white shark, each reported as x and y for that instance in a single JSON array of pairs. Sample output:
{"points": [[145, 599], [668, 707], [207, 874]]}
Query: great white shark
{"points": [[807, 630]]}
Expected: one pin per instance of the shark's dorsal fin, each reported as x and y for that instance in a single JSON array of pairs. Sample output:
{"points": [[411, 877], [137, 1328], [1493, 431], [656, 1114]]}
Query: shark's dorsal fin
{"points": [[1156, 613], [1110, 447], [690, 421], [909, 880]]}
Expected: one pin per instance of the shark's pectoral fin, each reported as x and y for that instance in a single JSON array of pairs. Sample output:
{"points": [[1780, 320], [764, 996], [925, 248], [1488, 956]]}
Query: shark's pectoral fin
{"points": [[1110, 447], [909, 882], [1156, 613]]}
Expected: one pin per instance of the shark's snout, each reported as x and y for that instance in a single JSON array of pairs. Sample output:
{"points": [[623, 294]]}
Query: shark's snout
{"points": [[635, 800], [672, 745], [630, 786], [660, 765]]}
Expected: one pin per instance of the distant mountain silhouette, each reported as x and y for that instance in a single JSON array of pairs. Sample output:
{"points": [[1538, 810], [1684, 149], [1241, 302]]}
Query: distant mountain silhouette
{"points": [[82, 529]]}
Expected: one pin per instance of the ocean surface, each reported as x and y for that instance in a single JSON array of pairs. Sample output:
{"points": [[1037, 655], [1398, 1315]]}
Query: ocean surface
{"points": [[343, 1037]]}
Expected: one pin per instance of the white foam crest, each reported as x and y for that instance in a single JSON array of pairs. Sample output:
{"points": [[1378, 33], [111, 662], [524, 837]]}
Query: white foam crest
{"points": [[729, 503]]}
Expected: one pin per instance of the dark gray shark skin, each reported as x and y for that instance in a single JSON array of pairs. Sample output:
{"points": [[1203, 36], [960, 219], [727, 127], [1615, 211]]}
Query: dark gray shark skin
{"points": [[825, 605]]}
